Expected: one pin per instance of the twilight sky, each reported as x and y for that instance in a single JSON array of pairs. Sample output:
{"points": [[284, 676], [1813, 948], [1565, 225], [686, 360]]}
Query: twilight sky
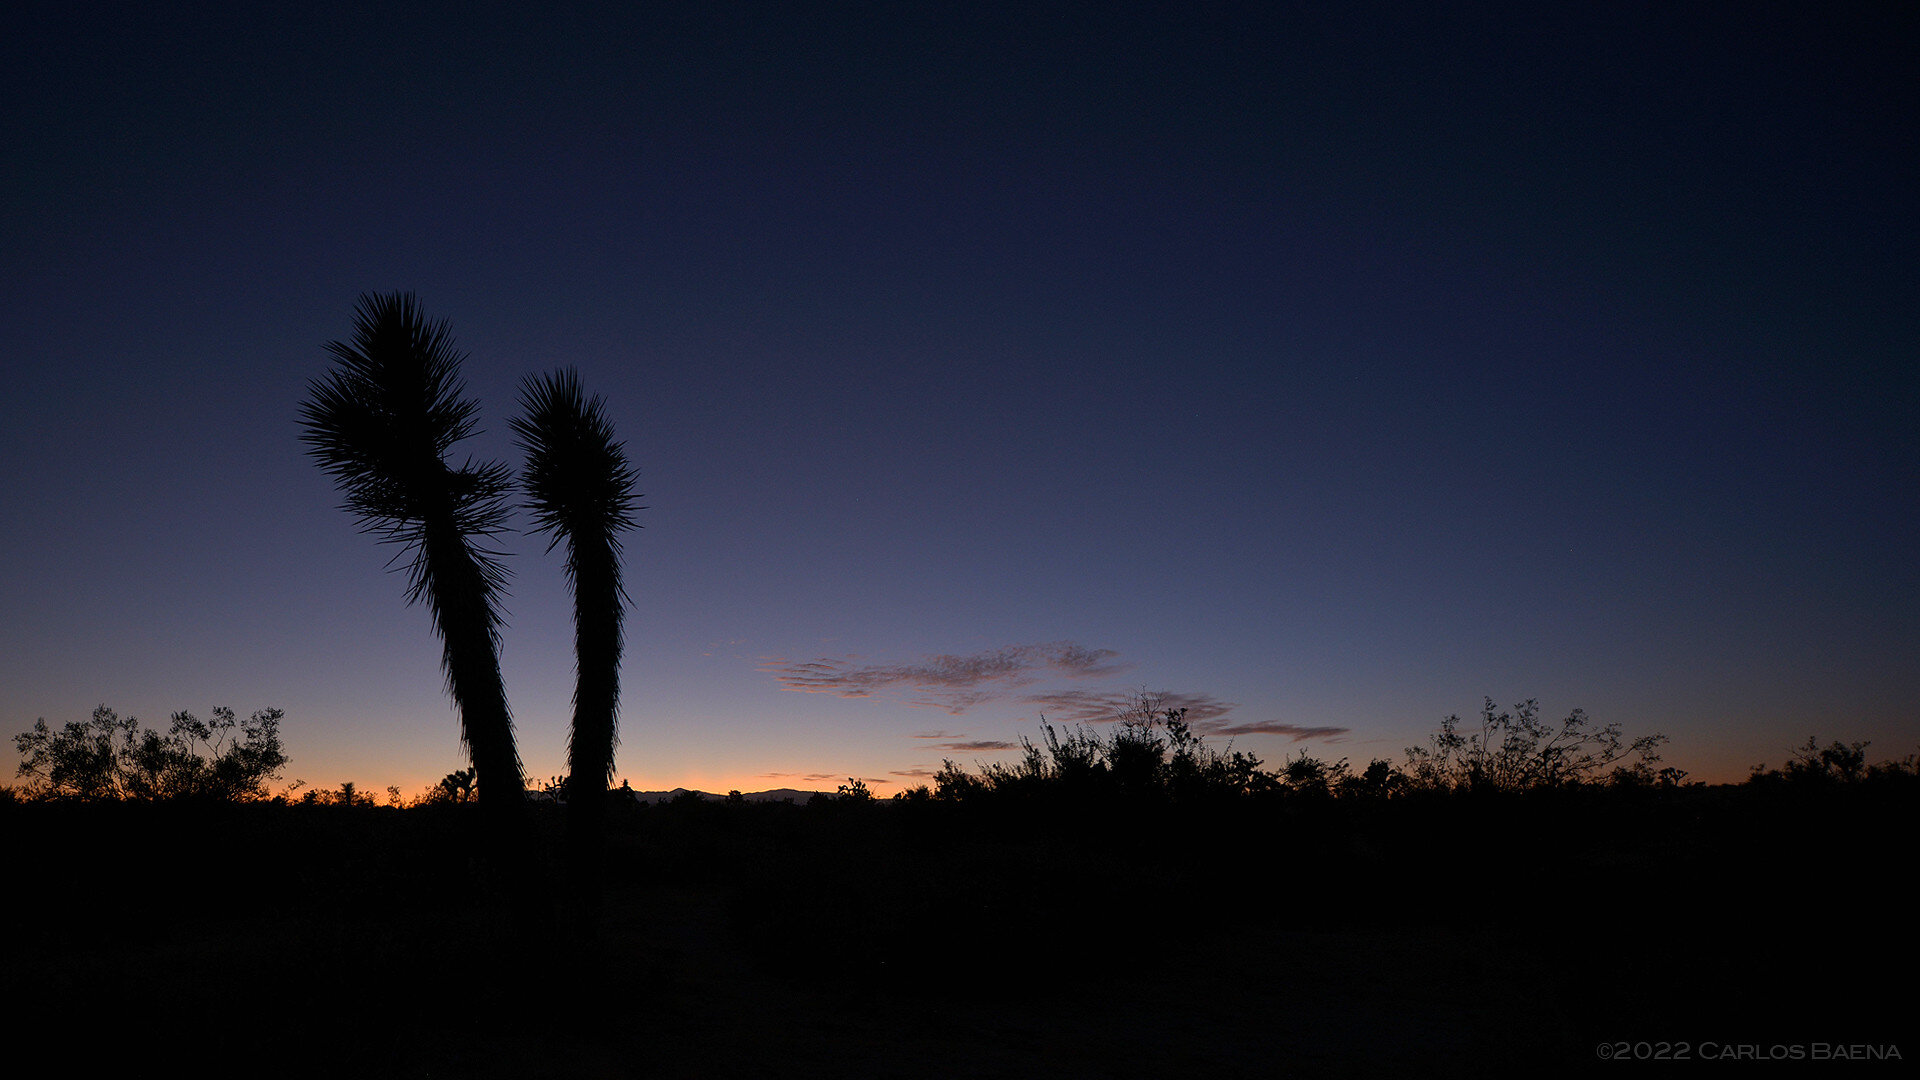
{"points": [[1326, 370]]}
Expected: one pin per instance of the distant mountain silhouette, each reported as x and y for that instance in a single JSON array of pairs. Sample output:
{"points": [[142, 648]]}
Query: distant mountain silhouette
{"points": [[775, 795]]}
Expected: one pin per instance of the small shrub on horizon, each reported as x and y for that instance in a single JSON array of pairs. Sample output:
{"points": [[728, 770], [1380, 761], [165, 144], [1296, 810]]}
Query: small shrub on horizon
{"points": [[953, 783], [1518, 751], [1151, 754], [106, 757], [1156, 753], [1835, 764]]}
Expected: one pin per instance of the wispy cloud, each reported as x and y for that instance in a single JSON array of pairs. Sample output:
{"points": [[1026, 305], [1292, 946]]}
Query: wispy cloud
{"points": [[1296, 732], [954, 701], [805, 778], [960, 744], [952, 683], [1103, 706], [958, 683]]}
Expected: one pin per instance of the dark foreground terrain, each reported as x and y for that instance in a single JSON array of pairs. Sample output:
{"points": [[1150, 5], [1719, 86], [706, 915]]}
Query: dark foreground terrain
{"points": [[1421, 936]]}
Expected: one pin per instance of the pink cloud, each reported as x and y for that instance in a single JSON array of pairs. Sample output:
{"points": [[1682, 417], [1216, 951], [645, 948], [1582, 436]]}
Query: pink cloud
{"points": [[952, 683], [1102, 706]]}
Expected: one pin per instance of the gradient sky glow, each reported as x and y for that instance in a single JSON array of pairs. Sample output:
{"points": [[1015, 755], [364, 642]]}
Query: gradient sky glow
{"points": [[1327, 372]]}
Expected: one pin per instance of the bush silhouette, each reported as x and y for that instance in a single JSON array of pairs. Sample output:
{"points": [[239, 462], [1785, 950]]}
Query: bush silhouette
{"points": [[1837, 764], [1151, 754], [1518, 751], [1155, 754], [106, 757]]}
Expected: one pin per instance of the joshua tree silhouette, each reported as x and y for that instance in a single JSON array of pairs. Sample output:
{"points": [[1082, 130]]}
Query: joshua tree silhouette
{"points": [[381, 424], [580, 489]]}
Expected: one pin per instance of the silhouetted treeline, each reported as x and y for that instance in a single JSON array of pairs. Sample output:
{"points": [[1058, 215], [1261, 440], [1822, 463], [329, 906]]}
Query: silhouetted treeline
{"points": [[1117, 904], [107, 756], [1452, 927]]}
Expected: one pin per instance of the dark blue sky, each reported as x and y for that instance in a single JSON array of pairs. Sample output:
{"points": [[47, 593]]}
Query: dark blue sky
{"points": [[1325, 370]]}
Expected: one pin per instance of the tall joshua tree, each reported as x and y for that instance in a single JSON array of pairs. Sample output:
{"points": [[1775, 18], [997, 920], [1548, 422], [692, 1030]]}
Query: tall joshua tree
{"points": [[381, 424], [580, 489]]}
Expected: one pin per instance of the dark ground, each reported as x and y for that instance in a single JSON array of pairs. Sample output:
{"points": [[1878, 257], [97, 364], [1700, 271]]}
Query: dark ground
{"points": [[1432, 937]]}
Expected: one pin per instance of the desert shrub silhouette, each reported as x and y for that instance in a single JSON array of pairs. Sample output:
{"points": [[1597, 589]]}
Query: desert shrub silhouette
{"points": [[1836, 766], [1837, 762], [455, 787], [1518, 751], [107, 757], [1150, 754]]}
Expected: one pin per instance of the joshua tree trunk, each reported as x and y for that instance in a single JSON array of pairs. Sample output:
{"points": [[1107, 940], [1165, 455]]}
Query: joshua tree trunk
{"points": [[468, 627], [597, 615], [380, 424], [580, 489]]}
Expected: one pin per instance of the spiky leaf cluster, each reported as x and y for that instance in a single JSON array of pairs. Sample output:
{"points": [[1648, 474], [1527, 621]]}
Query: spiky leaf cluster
{"points": [[578, 482], [381, 424]]}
